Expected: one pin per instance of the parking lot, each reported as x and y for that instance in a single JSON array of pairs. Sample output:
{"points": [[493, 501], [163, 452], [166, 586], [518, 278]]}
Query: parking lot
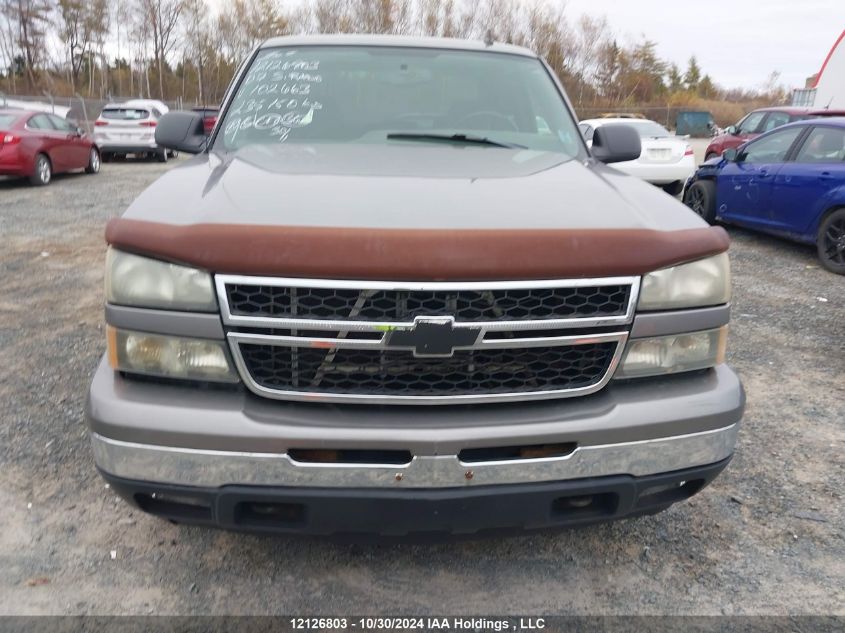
{"points": [[767, 537]]}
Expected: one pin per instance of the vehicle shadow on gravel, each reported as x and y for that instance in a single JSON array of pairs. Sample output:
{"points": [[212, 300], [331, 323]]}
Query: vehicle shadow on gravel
{"points": [[774, 246], [570, 570]]}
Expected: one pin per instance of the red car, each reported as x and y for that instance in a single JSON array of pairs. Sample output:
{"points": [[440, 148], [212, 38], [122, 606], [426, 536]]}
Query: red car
{"points": [[209, 117], [37, 145], [756, 122], [753, 124]]}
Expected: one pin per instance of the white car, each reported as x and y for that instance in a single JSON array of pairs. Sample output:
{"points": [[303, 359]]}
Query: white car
{"points": [[129, 128], [666, 160]]}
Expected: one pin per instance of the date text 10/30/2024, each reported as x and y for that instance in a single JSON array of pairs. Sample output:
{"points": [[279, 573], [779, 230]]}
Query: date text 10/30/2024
{"points": [[418, 624]]}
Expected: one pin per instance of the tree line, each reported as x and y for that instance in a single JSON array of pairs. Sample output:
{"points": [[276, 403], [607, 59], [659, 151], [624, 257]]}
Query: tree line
{"points": [[170, 49]]}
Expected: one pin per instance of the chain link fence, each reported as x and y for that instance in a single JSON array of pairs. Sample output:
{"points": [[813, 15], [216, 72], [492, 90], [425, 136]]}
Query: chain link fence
{"points": [[84, 111]]}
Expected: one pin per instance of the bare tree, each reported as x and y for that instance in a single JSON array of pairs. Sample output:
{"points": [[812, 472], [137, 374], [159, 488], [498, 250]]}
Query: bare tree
{"points": [[380, 16], [27, 24], [8, 43], [245, 23], [162, 16], [83, 25], [332, 16], [197, 35], [591, 35]]}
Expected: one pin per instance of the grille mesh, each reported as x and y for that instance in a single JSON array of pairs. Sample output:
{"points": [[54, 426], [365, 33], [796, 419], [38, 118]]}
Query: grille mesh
{"points": [[401, 305], [398, 373]]}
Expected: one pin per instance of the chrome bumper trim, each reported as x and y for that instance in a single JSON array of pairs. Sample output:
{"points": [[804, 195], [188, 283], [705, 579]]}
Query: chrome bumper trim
{"points": [[209, 468]]}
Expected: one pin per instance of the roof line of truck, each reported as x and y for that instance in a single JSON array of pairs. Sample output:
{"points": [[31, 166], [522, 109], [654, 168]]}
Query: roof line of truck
{"points": [[402, 41]]}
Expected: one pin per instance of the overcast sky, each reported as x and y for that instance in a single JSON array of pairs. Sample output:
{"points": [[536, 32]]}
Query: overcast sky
{"points": [[738, 42]]}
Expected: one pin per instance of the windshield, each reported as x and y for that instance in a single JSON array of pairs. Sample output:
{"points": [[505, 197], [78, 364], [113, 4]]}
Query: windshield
{"points": [[125, 114], [649, 129], [357, 94], [7, 119]]}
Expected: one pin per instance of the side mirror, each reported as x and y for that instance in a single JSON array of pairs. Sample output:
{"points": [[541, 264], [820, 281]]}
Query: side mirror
{"points": [[730, 155], [732, 130], [616, 143], [80, 131], [182, 131]]}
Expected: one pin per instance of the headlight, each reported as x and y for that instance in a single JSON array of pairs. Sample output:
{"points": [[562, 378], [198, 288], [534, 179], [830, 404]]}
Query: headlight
{"points": [[706, 282], [676, 353], [133, 280], [169, 356]]}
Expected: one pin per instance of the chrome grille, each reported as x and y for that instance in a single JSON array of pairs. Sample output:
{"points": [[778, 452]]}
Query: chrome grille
{"points": [[404, 305], [379, 372], [425, 343]]}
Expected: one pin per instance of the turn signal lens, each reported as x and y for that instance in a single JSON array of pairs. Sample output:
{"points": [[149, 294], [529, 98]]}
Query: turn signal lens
{"points": [[169, 356], [671, 354]]}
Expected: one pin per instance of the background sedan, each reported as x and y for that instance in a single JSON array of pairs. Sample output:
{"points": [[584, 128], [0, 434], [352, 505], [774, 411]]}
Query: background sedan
{"points": [[789, 182], [759, 122], [36, 145], [666, 160], [129, 128]]}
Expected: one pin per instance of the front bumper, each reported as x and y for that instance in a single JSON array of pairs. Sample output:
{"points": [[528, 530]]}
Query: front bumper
{"points": [[661, 173], [192, 467], [126, 147], [355, 512], [185, 436]]}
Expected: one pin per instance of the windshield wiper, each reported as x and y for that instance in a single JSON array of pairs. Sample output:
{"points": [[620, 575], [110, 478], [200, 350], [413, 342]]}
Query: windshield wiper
{"points": [[455, 138]]}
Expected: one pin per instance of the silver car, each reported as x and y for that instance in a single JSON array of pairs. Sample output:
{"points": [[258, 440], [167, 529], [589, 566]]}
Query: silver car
{"points": [[129, 128]]}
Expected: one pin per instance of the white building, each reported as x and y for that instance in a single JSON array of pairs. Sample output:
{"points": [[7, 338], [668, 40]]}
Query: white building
{"points": [[828, 88]]}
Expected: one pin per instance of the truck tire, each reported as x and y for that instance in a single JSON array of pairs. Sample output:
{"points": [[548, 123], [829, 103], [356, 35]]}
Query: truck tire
{"points": [[701, 198]]}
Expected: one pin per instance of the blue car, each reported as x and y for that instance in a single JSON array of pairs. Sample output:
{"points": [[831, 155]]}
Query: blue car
{"points": [[788, 182]]}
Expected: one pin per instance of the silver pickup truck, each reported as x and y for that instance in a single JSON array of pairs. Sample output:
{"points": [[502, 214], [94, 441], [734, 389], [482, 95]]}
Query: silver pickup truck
{"points": [[395, 294]]}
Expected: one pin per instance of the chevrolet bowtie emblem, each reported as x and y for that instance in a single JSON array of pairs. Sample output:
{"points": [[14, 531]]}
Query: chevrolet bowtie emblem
{"points": [[434, 336]]}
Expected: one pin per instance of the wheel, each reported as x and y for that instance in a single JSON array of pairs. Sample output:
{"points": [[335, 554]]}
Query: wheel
{"points": [[162, 156], [831, 242], [711, 155], [43, 171], [93, 162], [673, 188], [173, 153], [701, 198]]}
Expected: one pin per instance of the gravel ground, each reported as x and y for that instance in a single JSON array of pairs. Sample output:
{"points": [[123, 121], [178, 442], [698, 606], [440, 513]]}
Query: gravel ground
{"points": [[766, 537]]}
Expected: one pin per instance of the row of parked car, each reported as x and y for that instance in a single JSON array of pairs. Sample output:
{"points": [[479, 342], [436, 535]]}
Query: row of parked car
{"points": [[36, 145], [778, 170]]}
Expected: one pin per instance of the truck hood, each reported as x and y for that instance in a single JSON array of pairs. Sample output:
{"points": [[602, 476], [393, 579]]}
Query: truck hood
{"points": [[405, 186], [408, 210]]}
